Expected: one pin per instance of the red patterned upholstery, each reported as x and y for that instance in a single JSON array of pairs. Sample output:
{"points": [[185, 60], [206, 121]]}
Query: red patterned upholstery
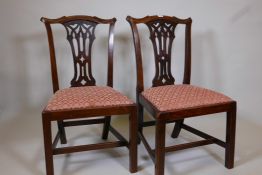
{"points": [[86, 97], [178, 97]]}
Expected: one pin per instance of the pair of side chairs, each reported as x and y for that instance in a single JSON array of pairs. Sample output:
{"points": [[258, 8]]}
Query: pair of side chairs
{"points": [[84, 101]]}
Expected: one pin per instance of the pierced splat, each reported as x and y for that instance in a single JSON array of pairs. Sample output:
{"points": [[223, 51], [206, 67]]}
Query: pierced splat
{"points": [[162, 34], [81, 35]]}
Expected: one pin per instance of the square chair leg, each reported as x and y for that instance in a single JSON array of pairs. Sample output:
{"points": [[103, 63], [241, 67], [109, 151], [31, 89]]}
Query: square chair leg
{"points": [[48, 145], [133, 130], [160, 148], [230, 137], [62, 133], [106, 127]]}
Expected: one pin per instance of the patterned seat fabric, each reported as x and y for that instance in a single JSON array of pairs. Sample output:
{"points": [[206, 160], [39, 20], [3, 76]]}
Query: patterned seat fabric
{"points": [[86, 97], [179, 97]]}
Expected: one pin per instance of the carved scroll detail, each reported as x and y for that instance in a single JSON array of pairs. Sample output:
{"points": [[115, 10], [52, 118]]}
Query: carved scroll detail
{"points": [[81, 35], [162, 34]]}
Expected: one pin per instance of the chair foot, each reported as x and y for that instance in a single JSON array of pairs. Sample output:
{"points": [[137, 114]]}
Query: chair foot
{"points": [[160, 148], [106, 127], [230, 137], [177, 128], [133, 128]]}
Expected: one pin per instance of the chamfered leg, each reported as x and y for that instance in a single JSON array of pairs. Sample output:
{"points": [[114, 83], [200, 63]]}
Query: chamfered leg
{"points": [[230, 137], [106, 127], [160, 148], [133, 136], [48, 144]]}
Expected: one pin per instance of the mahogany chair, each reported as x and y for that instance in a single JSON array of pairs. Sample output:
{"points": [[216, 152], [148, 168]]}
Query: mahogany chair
{"points": [[83, 102], [168, 102]]}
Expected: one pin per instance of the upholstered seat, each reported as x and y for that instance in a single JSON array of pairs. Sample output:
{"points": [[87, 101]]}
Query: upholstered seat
{"points": [[86, 97], [180, 97]]}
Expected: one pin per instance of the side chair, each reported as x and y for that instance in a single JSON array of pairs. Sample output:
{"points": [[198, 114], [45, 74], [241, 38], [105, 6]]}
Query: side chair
{"points": [[168, 102], [85, 103]]}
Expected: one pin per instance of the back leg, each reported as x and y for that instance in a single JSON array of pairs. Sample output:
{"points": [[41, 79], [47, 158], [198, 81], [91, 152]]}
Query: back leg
{"points": [[140, 119], [177, 128], [62, 133], [106, 127]]}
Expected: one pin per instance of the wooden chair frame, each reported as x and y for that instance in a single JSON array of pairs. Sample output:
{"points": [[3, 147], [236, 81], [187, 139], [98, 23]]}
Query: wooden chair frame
{"points": [[162, 118], [84, 116]]}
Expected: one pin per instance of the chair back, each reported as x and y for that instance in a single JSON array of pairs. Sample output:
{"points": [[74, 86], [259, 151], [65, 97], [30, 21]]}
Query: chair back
{"points": [[162, 35], [80, 35]]}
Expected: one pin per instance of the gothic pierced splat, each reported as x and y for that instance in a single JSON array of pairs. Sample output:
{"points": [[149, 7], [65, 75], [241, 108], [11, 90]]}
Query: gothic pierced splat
{"points": [[162, 34], [81, 35]]}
